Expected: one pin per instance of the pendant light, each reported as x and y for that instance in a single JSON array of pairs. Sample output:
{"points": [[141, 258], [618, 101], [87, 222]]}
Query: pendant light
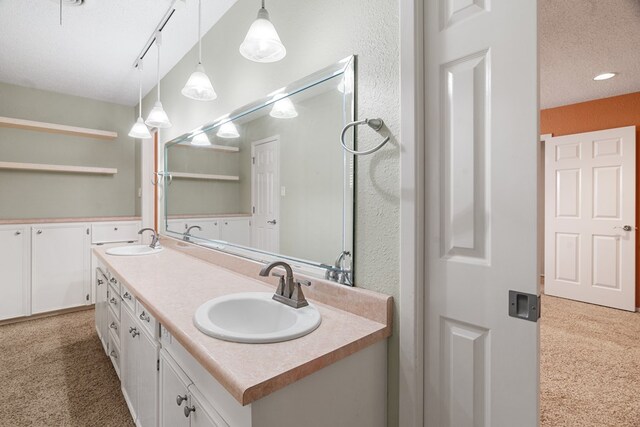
{"points": [[262, 43], [228, 130], [139, 129], [199, 86], [283, 109], [157, 117], [200, 140]]}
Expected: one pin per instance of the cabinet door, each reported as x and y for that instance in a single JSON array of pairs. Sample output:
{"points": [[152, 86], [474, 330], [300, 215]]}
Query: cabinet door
{"points": [[101, 305], [147, 373], [235, 230], [14, 262], [210, 228], [173, 385], [59, 266], [203, 414], [129, 342]]}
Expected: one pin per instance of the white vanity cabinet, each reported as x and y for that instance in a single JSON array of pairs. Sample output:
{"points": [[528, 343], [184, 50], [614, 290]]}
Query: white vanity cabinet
{"points": [[14, 265], [139, 367], [181, 403], [229, 229], [60, 266], [210, 228]]}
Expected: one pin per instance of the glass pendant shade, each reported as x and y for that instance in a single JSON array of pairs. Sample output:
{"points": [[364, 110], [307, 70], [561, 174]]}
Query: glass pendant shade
{"points": [[228, 130], [283, 109], [199, 86], [262, 43], [158, 118], [200, 140], [140, 130]]}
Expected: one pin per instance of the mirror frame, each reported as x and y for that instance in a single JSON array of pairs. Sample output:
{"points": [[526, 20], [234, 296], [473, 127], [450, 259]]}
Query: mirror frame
{"points": [[345, 69]]}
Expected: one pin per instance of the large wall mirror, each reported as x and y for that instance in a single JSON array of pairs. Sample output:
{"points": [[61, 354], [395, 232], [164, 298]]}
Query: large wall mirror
{"points": [[270, 180]]}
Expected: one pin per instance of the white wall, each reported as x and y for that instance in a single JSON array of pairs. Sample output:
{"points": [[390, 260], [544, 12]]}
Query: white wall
{"points": [[317, 33]]}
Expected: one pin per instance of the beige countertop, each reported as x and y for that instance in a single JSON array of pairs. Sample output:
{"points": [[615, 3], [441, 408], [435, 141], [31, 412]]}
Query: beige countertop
{"points": [[64, 220], [172, 285]]}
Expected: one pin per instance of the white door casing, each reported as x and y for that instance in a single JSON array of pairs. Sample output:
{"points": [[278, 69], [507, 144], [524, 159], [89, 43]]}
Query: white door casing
{"points": [[590, 188], [481, 366], [265, 194]]}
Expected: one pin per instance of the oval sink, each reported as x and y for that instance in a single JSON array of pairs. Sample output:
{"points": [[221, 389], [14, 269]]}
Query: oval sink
{"points": [[254, 317], [133, 250]]}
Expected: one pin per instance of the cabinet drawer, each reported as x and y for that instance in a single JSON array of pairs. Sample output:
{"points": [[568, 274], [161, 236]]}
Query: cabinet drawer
{"points": [[114, 355], [113, 299], [111, 232], [114, 328], [128, 298], [147, 320]]}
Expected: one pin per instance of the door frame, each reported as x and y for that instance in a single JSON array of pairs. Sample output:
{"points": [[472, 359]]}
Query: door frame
{"points": [[412, 209], [254, 144]]}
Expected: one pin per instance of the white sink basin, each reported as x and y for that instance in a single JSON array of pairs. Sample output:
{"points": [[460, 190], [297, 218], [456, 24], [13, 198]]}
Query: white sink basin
{"points": [[133, 250], [254, 317]]}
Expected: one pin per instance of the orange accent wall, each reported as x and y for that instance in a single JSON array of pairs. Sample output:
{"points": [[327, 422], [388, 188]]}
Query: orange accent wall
{"points": [[606, 113]]}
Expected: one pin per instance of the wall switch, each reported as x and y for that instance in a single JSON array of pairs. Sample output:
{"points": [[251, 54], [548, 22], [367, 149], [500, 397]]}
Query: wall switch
{"points": [[283, 191]]}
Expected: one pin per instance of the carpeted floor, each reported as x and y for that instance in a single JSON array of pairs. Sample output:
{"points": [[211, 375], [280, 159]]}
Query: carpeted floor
{"points": [[53, 372], [590, 365]]}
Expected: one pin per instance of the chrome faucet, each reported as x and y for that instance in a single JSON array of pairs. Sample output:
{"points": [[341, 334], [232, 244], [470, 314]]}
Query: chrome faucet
{"points": [[338, 273], [289, 291], [186, 236], [155, 242]]}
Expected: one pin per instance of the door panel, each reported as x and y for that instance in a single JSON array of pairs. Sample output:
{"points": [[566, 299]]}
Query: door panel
{"points": [[147, 377], [266, 196], [481, 130], [14, 262], [590, 198], [129, 355], [172, 385]]}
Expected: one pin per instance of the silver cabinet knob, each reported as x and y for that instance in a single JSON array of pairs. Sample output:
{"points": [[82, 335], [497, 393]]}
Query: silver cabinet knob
{"points": [[180, 399], [39, 232], [114, 354], [115, 228], [188, 410], [100, 282], [113, 301], [144, 316], [18, 233], [113, 280], [127, 295], [134, 332], [113, 326]]}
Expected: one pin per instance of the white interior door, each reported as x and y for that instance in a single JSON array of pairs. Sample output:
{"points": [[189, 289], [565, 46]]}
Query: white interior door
{"points": [[481, 130], [266, 195], [590, 217]]}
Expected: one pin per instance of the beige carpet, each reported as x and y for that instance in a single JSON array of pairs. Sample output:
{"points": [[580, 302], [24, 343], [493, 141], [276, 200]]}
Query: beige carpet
{"points": [[590, 365], [53, 372]]}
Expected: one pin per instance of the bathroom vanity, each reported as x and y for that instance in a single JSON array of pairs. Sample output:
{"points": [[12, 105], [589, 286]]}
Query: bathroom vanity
{"points": [[174, 375]]}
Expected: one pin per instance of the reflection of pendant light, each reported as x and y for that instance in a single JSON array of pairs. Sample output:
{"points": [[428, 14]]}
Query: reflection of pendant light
{"points": [[228, 130], [157, 117], [199, 86], [139, 129], [283, 109], [262, 43], [200, 140]]}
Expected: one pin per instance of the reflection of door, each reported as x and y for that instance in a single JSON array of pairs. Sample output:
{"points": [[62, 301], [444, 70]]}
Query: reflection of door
{"points": [[481, 129], [590, 200], [265, 190]]}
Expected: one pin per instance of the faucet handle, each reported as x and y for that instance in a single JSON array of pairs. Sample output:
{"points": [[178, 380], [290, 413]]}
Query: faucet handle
{"points": [[303, 282], [280, 290]]}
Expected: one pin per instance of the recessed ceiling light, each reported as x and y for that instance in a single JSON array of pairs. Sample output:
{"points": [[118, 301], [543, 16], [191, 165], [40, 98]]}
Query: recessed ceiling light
{"points": [[604, 76]]}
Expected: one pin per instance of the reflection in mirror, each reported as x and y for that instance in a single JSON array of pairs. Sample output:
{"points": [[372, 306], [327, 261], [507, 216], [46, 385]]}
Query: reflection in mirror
{"points": [[270, 180]]}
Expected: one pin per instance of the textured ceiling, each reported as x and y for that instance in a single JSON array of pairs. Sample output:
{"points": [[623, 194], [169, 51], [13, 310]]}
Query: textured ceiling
{"points": [[92, 54], [582, 38]]}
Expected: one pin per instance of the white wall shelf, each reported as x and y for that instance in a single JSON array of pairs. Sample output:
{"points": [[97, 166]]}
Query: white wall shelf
{"points": [[9, 122], [57, 168], [214, 147], [185, 175]]}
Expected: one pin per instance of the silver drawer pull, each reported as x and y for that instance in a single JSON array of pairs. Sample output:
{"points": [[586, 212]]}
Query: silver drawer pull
{"points": [[188, 410], [180, 399], [113, 301], [113, 280], [134, 332], [113, 326], [100, 282], [114, 354], [127, 295], [144, 316], [39, 232], [18, 233]]}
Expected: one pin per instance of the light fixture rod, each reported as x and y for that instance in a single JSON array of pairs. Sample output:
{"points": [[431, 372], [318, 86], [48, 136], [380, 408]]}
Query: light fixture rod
{"points": [[158, 43], [139, 66], [163, 22], [199, 31], [263, 4]]}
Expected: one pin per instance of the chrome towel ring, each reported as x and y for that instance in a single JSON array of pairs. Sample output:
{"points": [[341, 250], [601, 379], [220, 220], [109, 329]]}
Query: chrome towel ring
{"points": [[375, 124]]}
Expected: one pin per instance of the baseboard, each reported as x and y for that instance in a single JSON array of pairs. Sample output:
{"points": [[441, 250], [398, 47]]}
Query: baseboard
{"points": [[638, 309], [47, 314]]}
